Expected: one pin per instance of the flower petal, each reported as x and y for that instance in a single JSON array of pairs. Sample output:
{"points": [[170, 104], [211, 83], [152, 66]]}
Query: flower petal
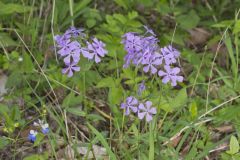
{"points": [[141, 115], [148, 117]]}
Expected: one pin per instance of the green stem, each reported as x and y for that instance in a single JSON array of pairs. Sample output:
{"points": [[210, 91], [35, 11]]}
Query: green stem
{"points": [[71, 10]]}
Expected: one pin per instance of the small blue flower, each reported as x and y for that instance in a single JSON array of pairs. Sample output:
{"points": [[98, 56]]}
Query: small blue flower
{"points": [[45, 128], [32, 135]]}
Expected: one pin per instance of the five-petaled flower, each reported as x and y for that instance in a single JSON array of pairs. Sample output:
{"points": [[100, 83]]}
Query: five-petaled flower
{"points": [[96, 49], [151, 64], [131, 103], [170, 75], [70, 68], [70, 47], [146, 111]]}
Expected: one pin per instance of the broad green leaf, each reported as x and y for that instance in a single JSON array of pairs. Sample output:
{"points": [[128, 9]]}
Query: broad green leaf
{"points": [[132, 15], [106, 82], [180, 99], [236, 28], [6, 40], [34, 157], [234, 145], [39, 139], [80, 5], [120, 17], [91, 22], [15, 79], [4, 109], [165, 106], [71, 100], [223, 24], [3, 142], [95, 117], [193, 109], [10, 8], [27, 64], [115, 95], [122, 3], [76, 111], [15, 114], [188, 21]]}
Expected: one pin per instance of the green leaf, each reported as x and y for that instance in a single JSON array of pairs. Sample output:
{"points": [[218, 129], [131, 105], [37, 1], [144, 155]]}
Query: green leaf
{"points": [[3, 142], [115, 95], [180, 99], [132, 15], [120, 17], [11, 8], [76, 111], [82, 4], [15, 114], [165, 106], [39, 139], [106, 82], [6, 40], [233, 59], [27, 65], [100, 137], [15, 79], [71, 100], [34, 157], [236, 28], [188, 21], [234, 146], [223, 24], [122, 3], [4, 109], [193, 109], [91, 22]]}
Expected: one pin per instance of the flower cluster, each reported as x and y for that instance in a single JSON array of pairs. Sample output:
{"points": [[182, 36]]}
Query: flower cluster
{"points": [[142, 109], [33, 133], [72, 44], [144, 50]]}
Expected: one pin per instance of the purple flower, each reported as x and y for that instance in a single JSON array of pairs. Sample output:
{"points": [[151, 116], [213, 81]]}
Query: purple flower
{"points": [[145, 56], [32, 135], [128, 58], [132, 43], [170, 75], [148, 30], [131, 103], [170, 54], [151, 42], [62, 40], [152, 63], [141, 87], [138, 48], [75, 32], [70, 69], [146, 111], [96, 49], [71, 52]]}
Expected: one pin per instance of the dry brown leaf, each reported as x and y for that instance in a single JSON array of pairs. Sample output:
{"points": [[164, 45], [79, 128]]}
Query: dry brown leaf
{"points": [[198, 36], [225, 129]]}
